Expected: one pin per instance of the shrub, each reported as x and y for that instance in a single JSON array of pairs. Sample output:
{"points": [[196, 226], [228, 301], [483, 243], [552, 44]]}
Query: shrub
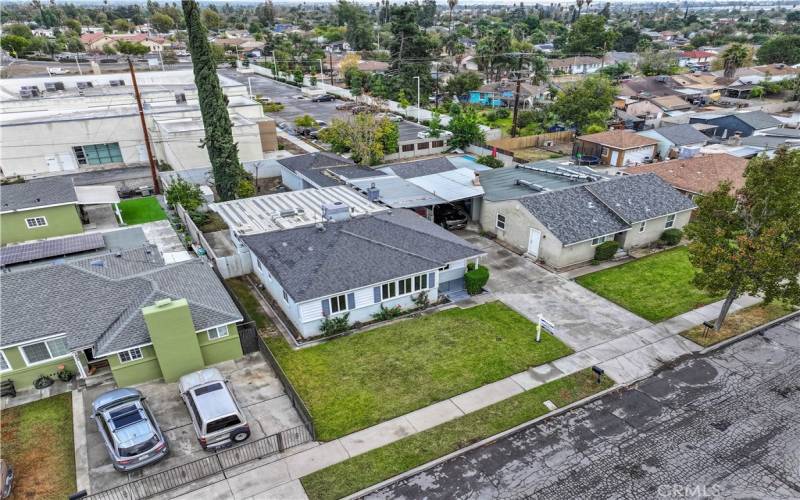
{"points": [[671, 236], [489, 161], [334, 325], [502, 113], [421, 300], [605, 250], [387, 313], [475, 278], [185, 193], [272, 107]]}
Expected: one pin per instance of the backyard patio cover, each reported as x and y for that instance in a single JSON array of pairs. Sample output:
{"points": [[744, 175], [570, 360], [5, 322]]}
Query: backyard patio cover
{"points": [[97, 195]]}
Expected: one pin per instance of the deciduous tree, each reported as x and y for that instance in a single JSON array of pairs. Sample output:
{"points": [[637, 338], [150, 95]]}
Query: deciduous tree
{"points": [[749, 241]]}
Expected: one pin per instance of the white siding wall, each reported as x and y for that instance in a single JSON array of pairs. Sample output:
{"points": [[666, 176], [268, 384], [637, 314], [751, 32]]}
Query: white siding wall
{"points": [[653, 230], [307, 316], [291, 180]]}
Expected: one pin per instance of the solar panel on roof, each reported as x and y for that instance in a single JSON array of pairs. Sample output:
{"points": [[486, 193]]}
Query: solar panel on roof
{"points": [[38, 250]]}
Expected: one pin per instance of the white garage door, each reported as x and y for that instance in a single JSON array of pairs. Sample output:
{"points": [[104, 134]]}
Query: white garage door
{"points": [[640, 155]]}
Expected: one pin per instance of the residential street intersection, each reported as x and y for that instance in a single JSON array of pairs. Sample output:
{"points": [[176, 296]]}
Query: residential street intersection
{"points": [[722, 425]]}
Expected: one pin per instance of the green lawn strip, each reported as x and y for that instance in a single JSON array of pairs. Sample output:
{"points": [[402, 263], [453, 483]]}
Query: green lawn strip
{"points": [[361, 380], [656, 287], [738, 323], [244, 294], [37, 441], [383, 463], [141, 210]]}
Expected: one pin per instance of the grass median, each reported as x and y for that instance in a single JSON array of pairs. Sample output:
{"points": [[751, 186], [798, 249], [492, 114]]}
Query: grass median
{"points": [[656, 287], [363, 379], [738, 323], [383, 463]]}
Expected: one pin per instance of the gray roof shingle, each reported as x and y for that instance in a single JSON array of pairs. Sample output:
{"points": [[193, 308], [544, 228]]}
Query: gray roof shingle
{"points": [[640, 197], [599, 208], [310, 263], [418, 168], [681, 135], [758, 119], [37, 193], [317, 167], [100, 306]]}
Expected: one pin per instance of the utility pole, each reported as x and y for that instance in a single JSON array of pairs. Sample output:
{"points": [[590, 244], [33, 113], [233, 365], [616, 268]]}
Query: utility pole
{"points": [[516, 97], [274, 66], [153, 171], [330, 65]]}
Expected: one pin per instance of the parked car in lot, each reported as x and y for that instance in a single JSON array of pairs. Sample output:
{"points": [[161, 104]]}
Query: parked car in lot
{"points": [[129, 430], [450, 217], [346, 106], [7, 476], [323, 98], [217, 418]]}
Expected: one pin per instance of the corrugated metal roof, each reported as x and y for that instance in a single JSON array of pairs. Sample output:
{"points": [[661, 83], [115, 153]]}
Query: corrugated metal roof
{"points": [[274, 212], [398, 193]]}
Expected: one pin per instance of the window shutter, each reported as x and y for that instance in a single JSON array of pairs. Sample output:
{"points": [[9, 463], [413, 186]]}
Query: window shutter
{"points": [[326, 307], [376, 293], [431, 280], [351, 300]]}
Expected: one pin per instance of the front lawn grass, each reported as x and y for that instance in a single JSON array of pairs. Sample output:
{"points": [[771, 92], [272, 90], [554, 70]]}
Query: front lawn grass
{"points": [[363, 379], [738, 323], [382, 463], [37, 442], [656, 287], [141, 210]]}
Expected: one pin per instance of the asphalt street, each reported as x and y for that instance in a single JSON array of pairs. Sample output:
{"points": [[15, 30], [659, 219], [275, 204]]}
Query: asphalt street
{"points": [[722, 425]]}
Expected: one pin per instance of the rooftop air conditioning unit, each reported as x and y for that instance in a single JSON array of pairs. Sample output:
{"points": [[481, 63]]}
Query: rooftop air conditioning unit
{"points": [[53, 86], [335, 212], [180, 98], [29, 91], [117, 83], [84, 85]]}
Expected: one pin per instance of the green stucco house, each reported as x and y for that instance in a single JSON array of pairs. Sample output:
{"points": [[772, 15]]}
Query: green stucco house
{"points": [[38, 209], [126, 312]]}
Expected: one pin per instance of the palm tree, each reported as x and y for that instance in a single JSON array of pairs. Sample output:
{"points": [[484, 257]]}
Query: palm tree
{"points": [[579, 3], [734, 58], [452, 4]]}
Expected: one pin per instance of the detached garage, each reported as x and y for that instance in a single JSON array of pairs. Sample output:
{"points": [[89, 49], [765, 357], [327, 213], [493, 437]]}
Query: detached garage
{"points": [[616, 148]]}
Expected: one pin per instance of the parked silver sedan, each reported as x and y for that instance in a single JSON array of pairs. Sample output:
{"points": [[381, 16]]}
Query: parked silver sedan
{"points": [[130, 432]]}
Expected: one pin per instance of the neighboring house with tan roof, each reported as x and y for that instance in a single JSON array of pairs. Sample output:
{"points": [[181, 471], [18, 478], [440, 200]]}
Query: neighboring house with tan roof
{"points": [[697, 175], [671, 103], [696, 57], [617, 148], [94, 42]]}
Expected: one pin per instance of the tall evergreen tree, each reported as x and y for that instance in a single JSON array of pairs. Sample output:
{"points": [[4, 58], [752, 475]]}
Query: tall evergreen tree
{"points": [[222, 151]]}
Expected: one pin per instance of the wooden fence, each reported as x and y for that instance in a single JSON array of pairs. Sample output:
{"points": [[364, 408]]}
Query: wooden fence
{"points": [[229, 266], [533, 141]]}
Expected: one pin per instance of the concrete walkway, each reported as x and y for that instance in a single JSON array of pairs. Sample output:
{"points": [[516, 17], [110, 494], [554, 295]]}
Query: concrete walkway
{"points": [[297, 142], [626, 359]]}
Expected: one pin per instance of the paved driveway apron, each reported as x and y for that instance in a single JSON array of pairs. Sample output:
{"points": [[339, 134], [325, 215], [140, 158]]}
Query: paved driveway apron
{"points": [[724, 425], [583, 319]]}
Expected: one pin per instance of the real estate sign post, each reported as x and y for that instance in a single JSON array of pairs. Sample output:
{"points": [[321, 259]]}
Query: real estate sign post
{"points": [[548, 326]]}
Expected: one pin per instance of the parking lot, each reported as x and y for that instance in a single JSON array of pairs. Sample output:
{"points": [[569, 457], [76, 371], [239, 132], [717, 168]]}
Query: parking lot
{"points": [[256, 388], [294, 108]]}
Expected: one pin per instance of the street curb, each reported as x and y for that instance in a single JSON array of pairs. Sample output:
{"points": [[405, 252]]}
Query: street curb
{"points": [[750, 333], [483, 442]]}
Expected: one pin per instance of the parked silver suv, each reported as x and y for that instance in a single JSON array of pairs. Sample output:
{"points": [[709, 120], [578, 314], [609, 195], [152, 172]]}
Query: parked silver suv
{"points": [[217, 418], [130, 433]]}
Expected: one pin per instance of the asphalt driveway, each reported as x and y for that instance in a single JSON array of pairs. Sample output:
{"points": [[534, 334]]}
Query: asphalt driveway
{"points": [[582, 318], [255, 387], [724, 426]]}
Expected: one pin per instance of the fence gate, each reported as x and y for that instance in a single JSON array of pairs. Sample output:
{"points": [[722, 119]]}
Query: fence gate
{"points": [[248, 336]]}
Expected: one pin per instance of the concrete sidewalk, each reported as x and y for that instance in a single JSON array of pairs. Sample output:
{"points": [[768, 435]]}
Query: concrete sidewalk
{"points": [[625, 359]]}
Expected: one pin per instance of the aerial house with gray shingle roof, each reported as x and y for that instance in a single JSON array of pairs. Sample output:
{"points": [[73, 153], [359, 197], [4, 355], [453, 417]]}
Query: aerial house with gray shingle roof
{"points": [[127, 311], [561, 224], [355, 265]]}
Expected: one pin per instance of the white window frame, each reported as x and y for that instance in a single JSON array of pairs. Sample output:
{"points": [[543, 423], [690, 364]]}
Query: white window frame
{"points": [[47, 346], [4, 359], [220, 332], [405, 286], [418, 282], [36, 222], [134, 354], [670, 221], [500, 224], [600, 239], [642, 226], [391, 290], [335, 303]]}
